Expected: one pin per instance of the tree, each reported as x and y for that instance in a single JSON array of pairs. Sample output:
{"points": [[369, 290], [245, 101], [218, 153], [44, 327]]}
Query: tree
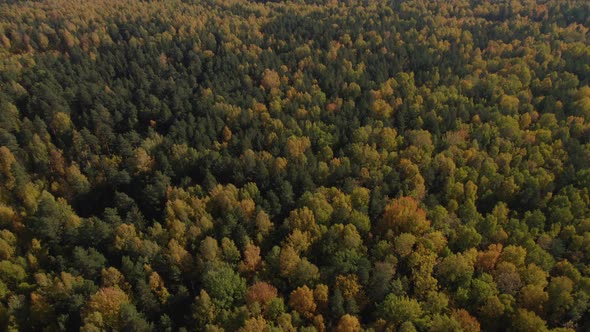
{"points": [[526, 321], [486, 260], [320, 294], [422, 262], [254, 324], [209, 249], [413, 183], [348, 323], [513, 254], [252, 260], [299, 241], [301, 299], [7, 215], [560, 297], [104, 308], [270, 79], [304, 220], [203, 310], [53, 219], [88, 261], [507, 278], [400, 309], [288, 260], [262, 293], [179, 256], [135, 321], [404, 244], [305, 273], [533, 298], [11, 273], [263, 223], [468, 323], [457, 269], [443, 323], [6, 161], [296, 147], [7, 244], [379, 284], [492, 308], [348, 286], [224, 284], [157, 286], [112, 277], [229, 251], [403, 215]]}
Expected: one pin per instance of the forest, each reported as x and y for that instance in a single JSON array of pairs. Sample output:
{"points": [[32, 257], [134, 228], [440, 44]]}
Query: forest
{"points": [[306, 165]]}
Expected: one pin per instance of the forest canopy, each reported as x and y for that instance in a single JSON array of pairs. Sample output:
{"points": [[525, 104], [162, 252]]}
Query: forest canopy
{"points": [[310, 165]]}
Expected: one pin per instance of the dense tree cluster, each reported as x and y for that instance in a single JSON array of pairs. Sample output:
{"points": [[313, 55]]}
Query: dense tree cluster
{"points": [[300, 165]]}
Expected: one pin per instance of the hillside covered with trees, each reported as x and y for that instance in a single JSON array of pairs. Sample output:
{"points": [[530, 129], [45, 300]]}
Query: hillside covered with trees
{"points": [[310, 165]]}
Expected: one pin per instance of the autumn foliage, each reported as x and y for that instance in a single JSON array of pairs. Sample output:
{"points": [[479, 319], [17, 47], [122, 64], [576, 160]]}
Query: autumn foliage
{"points": [[308, 165]]}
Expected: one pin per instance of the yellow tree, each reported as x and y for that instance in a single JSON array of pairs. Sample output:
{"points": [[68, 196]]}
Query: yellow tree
{"points": [[302, 301], [348, 323], [107, 303], [403, 215]]}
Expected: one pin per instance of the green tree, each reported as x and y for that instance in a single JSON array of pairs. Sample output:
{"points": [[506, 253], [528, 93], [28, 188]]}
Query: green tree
{"points": [[224, 284]]}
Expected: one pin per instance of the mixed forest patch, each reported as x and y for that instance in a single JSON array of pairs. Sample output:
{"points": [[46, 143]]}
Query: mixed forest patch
{"points": [[295, 165]]}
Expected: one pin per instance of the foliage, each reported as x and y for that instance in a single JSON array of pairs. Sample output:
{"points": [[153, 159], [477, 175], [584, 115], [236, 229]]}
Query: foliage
{"points": [[295, 165]]}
